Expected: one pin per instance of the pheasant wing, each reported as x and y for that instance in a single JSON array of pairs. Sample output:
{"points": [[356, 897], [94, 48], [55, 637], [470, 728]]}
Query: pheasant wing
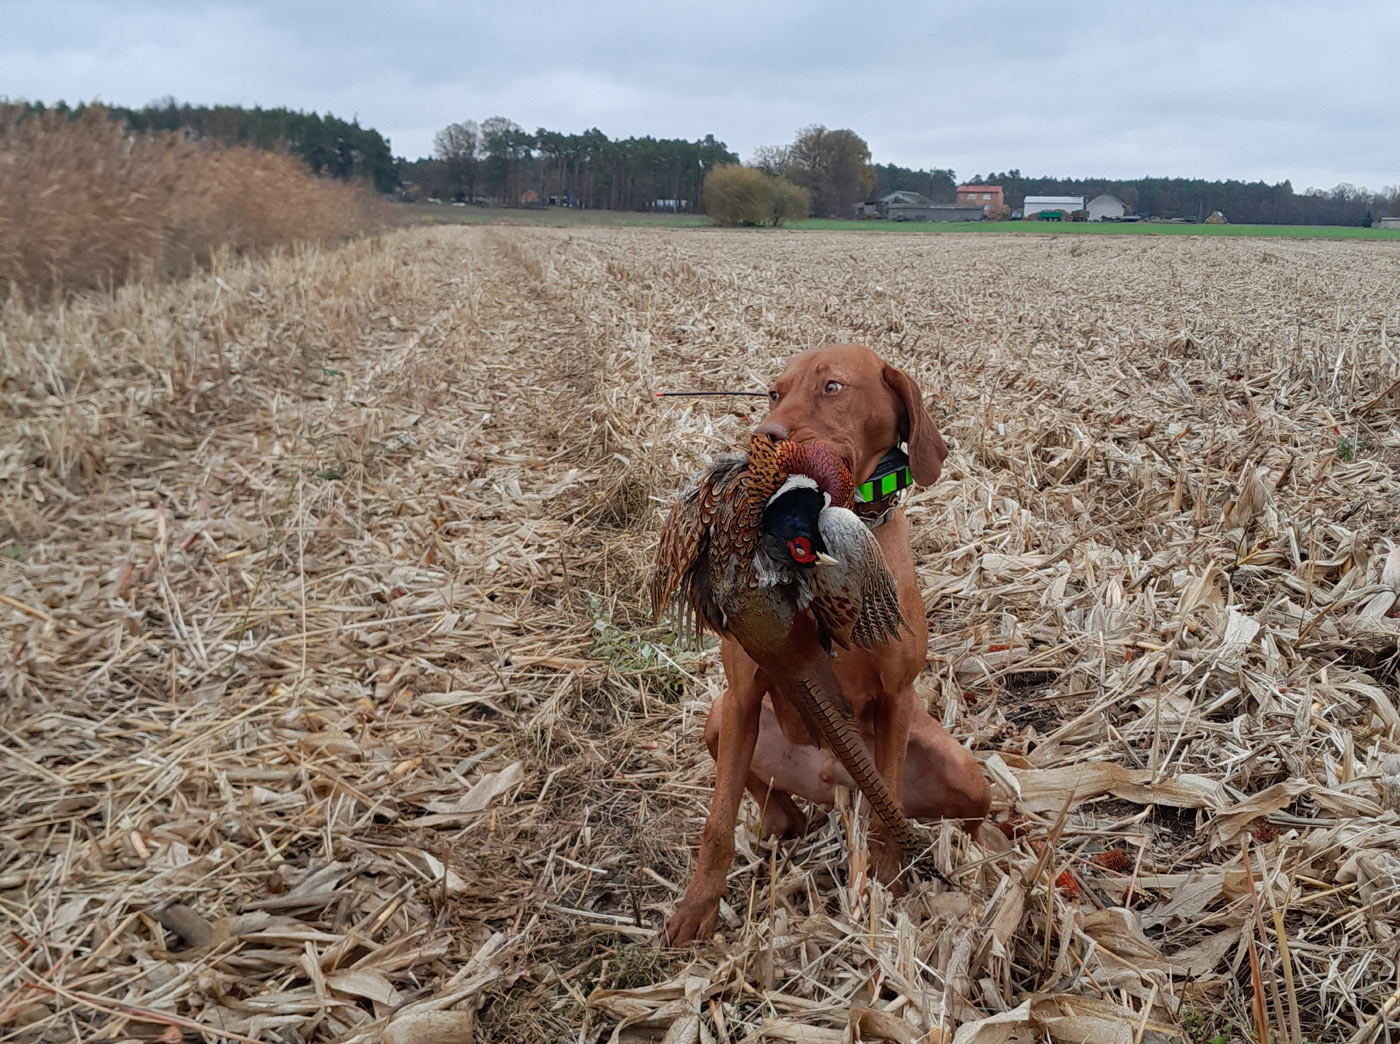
{"points": [[880, 620], [687, 534], [855, 598]]}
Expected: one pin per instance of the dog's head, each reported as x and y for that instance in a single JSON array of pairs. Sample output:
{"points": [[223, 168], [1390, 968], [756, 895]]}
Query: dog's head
{"points": [[848, 397]]}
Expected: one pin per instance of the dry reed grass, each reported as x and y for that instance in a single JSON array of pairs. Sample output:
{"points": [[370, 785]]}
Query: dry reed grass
{"points": [[333, 712], [86, 204]]}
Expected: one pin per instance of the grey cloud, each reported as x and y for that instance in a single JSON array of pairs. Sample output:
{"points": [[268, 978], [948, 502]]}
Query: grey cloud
{"points": [[1247, 90]]}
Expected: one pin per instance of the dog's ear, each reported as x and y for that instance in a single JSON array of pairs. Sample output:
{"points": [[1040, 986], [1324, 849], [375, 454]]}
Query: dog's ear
{"points": [[926, 448]]}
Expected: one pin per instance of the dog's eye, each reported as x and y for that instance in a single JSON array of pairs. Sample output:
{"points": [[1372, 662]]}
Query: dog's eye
{"points": [[832, 387], [772, 396]]}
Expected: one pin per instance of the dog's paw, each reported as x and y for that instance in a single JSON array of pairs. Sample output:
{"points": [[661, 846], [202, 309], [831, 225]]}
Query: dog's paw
{"points": [[693, 920], [886, 862], [783, 819]]}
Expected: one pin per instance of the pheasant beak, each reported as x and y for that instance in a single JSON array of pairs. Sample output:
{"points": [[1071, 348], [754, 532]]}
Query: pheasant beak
{"points": [[825, 559]]}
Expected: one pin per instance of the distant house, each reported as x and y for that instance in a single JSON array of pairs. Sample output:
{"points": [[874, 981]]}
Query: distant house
{"points": [[985, 196], [1066, 205], [1389, 222], [1106, 208]]}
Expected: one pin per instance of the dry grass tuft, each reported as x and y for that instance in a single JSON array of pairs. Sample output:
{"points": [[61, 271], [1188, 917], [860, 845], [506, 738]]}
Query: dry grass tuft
{"points": [[332, 703], [84, 203]]}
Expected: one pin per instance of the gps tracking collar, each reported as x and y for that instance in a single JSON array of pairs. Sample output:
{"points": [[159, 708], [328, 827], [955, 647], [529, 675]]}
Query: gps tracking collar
{"points": [[890, 476]]}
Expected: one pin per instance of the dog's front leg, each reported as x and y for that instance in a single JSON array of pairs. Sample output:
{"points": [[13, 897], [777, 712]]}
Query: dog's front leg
{"points": [[894, 715], [698, 910]]}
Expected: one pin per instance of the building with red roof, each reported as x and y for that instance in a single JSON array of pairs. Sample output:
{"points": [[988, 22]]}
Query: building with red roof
{"points": [[984, 196]]}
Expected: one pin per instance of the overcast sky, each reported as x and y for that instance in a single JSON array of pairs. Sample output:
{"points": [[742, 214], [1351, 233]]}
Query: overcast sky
{"points": [[1265, 91]]}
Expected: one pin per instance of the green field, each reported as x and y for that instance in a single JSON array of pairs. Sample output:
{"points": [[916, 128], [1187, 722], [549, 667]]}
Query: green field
{"points": [[1136, 228], [558, 217]]}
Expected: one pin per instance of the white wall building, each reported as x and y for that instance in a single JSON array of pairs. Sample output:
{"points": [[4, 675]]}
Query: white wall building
{"points": [[1106, 206]]}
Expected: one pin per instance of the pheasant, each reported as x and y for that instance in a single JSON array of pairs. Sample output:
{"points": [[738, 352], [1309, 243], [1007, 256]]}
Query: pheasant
{"points": [[764, 548]]}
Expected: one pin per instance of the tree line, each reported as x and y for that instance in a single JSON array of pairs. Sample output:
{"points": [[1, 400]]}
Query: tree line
{"points": [[326, 144], [1194, 199], [499, 160]]}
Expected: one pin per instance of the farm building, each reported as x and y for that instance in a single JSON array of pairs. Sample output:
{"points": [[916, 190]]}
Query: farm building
{"points": [[984, 196], [933, 212], [903, 201], [1106, 208], [915, 206], [879, 207], [1065, 204], [1388, 222]]}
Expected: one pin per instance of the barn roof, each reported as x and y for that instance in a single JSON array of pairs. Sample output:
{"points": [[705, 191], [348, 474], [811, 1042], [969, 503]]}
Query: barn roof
{"points": [[905, 196]]}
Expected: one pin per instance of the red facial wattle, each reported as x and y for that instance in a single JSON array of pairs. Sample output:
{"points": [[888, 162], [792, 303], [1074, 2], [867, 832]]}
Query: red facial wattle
{"points": [[801, 550]]}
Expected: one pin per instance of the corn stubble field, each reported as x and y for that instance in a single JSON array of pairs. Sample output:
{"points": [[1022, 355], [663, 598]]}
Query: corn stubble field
{"points": [[334, 713]]}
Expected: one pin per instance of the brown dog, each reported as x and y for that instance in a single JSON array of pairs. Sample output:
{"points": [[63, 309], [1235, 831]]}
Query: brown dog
{"points": [[845, 396]]}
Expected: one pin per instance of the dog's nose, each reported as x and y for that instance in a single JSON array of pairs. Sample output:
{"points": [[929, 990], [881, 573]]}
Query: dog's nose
{"points": [[773, 430]]}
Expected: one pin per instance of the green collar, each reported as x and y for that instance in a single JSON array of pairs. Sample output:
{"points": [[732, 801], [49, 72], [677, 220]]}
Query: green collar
{"points": [[890, 476]]}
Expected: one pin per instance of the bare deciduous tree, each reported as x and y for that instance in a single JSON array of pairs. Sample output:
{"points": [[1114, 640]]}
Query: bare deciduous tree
{"points": [[504, 144], [459, 146], [771, 159], [834, 166]]}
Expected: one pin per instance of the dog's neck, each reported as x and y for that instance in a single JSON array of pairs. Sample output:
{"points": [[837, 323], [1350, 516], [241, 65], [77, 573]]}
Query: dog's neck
{"points": [[892, 478], [877, 512]]}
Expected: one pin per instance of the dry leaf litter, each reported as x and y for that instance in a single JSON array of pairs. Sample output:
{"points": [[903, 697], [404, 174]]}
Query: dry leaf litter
{"points": [[332, 711]]}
